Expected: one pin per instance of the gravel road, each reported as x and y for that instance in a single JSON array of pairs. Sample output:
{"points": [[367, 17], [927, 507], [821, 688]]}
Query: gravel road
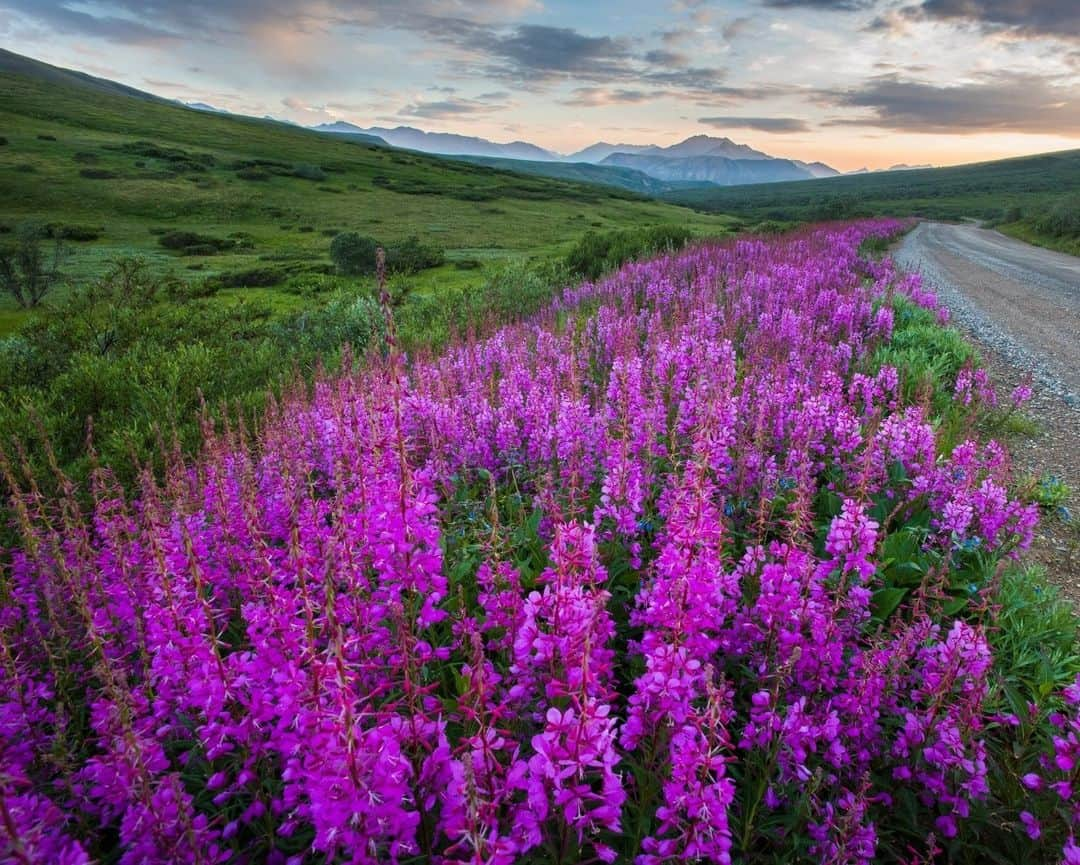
{"points": [[1021, 306], [1020, 299]]}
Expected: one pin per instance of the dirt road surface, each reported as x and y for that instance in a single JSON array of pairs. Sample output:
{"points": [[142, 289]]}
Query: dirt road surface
{"points": [[1021, 305]]}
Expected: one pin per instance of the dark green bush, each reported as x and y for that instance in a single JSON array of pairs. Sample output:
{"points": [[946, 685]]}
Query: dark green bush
{"points": [[85, 156], [253, 174], [255, 277], [771, 226], [186, 239], [98, 174], [412, 256], [201, 249], [1062, 219], [3, 141], [598, 253], [46, 138], [309, 172], [81, 233], [1012, 213], [347, 318], [353, 254]]}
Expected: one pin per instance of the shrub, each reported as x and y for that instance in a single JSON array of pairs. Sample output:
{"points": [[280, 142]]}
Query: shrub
{"points": [[184, 240], [353, 254], [412, 256], [200, 249], [1061, 219], [1012, 213], [345, 319], [81, 233], [3, 141], [312, 284], [46, 138], [255, 277], [28, 271], [597, 253], [85, 156], [253, 174], [98, 174], [309, 172]]}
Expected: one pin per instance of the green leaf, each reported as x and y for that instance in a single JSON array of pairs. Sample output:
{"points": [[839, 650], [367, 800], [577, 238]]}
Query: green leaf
{"points": [[885, 601], [954, 606]]}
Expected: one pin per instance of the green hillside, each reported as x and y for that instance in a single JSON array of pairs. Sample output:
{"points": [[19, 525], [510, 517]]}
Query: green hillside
{"points": [[85, 152], [1016, 192]]}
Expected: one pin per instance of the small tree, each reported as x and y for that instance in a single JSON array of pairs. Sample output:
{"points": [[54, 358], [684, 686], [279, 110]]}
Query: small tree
{"points": [[353, 254], [107, 314], [27, 271]]}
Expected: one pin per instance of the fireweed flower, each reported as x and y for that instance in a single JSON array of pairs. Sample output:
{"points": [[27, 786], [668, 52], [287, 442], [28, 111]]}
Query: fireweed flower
{"points": [[596, 586]]}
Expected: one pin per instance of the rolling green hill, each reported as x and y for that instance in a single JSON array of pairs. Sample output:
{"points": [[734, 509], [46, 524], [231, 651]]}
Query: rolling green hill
{"points": [[85, 152], [1013, 191]]}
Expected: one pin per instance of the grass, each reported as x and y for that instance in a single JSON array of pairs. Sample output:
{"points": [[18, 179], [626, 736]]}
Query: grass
{"points": [[178, 169], [1025, 231]]}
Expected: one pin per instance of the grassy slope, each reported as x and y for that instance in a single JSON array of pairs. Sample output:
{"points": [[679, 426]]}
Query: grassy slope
{"points": [[982, 191], [474, 212]]}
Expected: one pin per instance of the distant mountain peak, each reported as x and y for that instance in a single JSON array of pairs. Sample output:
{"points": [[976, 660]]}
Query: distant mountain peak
{"points": [[445, 143], [698, 159]]}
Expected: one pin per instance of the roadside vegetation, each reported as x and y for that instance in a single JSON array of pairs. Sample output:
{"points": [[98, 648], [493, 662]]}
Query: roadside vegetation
{"points": [[1054, 224]]}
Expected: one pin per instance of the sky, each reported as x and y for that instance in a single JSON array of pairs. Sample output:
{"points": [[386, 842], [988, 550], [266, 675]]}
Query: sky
{"points": [[854, 83]]}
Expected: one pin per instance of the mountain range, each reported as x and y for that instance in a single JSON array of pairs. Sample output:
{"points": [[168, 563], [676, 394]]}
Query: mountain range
{"points": [[700, 159]]}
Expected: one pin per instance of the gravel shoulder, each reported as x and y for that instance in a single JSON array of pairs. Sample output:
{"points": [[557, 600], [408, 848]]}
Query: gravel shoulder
{"points": [[1021, 306]]}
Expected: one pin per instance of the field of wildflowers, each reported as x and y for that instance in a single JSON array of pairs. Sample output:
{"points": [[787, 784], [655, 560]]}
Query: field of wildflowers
{"points": [[676, 571]]}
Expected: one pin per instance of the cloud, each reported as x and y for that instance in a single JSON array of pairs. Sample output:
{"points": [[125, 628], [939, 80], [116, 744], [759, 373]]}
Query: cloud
{"points": [[779, 125], [67, 18], [999, 102], [1055, 18], [663, 57], [595, 97], [442, 108], [824, 5], [553, 52], [486, 37], [736, 27]]}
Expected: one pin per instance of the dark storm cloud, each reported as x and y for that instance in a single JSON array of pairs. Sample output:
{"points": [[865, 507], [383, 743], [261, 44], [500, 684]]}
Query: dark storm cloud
{"points": [[761, 124], [1059, 18], [1001, 102]]}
